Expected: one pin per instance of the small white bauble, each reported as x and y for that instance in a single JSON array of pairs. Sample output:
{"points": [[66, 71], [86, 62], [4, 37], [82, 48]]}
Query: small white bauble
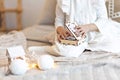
{"points": [[18, 67], [45, 62]]}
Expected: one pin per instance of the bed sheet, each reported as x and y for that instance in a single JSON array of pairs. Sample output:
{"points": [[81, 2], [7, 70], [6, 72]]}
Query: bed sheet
{"points": [[89, 66]]}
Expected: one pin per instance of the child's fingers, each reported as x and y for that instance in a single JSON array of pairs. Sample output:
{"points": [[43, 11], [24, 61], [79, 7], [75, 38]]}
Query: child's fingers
{"points": [[68, 33], [79, 30], [60, 37], [64, 35], [77, 27], [83, 34]]}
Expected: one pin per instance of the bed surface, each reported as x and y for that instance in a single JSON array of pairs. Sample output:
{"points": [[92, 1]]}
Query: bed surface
{"points": [[88, 66]]}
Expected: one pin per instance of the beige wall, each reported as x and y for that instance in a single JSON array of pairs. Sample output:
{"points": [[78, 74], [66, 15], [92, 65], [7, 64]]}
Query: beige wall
{"points": [[30, 15], [31, 12]]}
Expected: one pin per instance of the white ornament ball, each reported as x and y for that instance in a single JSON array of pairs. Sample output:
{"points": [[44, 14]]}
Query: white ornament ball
{"points": [[45, 62], [18, 67]]}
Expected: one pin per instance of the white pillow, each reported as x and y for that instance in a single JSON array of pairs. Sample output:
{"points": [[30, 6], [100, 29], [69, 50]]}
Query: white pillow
{"points": [[47, 16], [39, 32]]}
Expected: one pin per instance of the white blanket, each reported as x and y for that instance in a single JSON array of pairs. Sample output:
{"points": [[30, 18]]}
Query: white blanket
{"points": [[89, 66]]}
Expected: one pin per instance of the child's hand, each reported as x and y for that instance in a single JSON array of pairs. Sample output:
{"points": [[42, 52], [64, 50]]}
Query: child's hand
{"points": [[82, 30], [62, 33]]}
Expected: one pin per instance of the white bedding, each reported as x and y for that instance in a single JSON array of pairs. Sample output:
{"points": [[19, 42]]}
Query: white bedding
{"points": [[89, 66]]}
